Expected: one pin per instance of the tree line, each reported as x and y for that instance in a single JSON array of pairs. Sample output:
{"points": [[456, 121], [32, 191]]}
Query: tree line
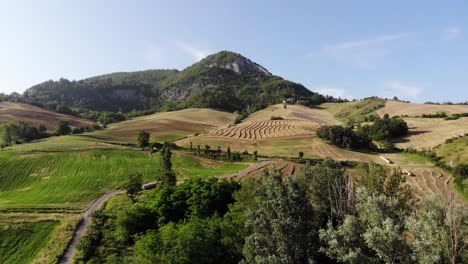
{"points": [[17, 132]]}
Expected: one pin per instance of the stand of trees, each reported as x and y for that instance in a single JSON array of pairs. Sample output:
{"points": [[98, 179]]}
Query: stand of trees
{"points": [[345, 137], [385, 128], [324, 215], [15, 132], [382, 129]]}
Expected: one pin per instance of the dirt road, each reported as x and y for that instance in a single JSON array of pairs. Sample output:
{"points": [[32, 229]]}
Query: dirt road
{"points": [[82, 228]]}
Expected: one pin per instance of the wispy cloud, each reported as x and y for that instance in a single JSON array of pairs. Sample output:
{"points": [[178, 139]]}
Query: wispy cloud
{"points": [[366, 42], [402, 90], [335, 92], [364, 53], [196, 54], [452, 33]]}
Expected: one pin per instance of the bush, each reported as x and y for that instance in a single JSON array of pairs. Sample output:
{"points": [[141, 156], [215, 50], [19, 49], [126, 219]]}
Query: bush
{"points": [[276, 118], [62, 128]]}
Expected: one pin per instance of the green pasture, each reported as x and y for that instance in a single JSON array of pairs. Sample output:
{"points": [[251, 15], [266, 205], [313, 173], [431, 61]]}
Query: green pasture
{"points": [[21, 242]]}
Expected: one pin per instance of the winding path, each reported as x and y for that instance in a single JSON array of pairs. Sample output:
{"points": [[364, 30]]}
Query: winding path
{"points": [[83, 226]]}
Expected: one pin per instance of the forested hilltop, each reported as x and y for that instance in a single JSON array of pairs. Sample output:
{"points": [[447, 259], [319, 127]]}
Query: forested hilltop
{"points": [[224, 80]]}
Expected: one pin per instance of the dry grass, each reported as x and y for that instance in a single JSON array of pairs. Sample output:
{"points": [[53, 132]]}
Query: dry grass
{"points": [[297, 120], [426, 133], [428, 179], [268, 129], [312, 147], [288, 168], [298, 112], [394, 108], [37, 116], [168, 125], [454, 152]]}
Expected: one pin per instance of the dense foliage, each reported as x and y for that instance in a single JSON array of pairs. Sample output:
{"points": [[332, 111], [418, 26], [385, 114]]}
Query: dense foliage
{"points": [[385, 128], [382, 129], [322, 216], [19, 132], [344, 137]]}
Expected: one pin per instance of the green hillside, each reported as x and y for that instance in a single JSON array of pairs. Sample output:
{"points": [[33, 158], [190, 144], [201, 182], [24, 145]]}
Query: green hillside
{"points": [[224, 80]]}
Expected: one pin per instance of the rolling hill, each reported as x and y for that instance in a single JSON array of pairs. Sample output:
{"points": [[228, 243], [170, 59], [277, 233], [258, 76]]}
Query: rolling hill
{"points": [[168, 126], [225, 80], [37, 116]]}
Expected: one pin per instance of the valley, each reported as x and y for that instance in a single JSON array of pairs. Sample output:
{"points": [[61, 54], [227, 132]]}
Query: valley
{"points": [[209, 141]]}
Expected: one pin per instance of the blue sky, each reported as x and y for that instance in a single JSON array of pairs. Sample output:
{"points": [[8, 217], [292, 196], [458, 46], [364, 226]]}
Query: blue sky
{"points": [[416, 50]]}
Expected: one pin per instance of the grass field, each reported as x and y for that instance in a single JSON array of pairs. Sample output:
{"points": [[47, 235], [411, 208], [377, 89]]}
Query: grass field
{"points": [[37, 116], [426, 133], [21, 242], [398, 108], [354, 111], [455, 152], [168, 126], [51, 175]]}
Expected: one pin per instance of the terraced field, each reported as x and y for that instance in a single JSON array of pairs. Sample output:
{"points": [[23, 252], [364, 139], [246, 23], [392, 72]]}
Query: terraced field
{"points": [[37, 116], [294, 112], [268, 129], [394, 108], [427, 180]]}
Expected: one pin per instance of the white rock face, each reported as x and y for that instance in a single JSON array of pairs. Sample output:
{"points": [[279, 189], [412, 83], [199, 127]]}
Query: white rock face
{"points": [[241, 66]]}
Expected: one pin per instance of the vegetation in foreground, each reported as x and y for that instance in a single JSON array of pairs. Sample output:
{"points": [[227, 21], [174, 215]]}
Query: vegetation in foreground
{"points": [[21, 242], [322, 216]]}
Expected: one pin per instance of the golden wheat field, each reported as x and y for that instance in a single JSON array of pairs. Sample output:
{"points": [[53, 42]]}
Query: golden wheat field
{"points": [[426, 133], [168, 125], [398, 108]]}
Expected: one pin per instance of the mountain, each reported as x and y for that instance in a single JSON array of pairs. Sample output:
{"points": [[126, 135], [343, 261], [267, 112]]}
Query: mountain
{"points": [[225, 80]]}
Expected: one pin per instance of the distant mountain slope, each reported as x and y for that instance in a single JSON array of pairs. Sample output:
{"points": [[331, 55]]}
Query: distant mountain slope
{"points": [[224, 80], [37, 116]]}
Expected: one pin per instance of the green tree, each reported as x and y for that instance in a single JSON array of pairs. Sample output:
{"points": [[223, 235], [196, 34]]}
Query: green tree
{"points": [[331, 191], [461, 176], [62, 128], [197, 241], [133, 185], [441, 229], [167, 176], [135, 219], [143, 139], [374, 235], [283, 230]]}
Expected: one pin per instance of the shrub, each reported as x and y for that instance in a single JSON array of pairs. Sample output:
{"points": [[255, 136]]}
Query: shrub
{"points": [[276, 118]]}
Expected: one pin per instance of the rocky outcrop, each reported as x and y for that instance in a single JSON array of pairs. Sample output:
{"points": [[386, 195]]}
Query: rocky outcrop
{"points": [[242, 65]]}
